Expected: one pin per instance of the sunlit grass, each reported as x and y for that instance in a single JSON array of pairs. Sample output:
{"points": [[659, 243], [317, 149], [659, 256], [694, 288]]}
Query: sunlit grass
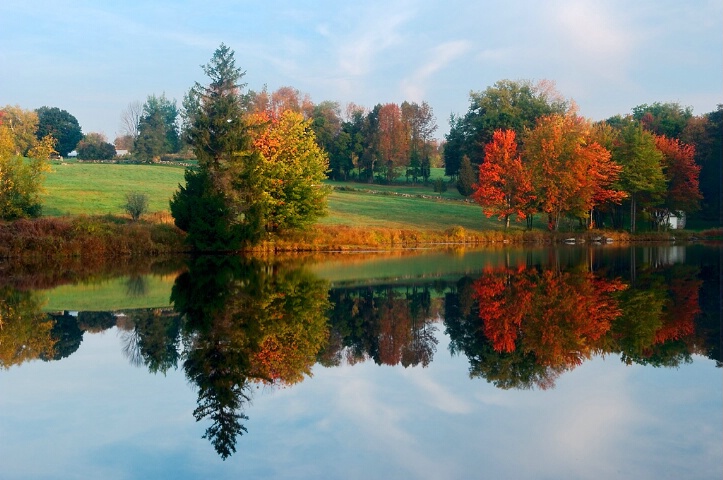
{"points": [[94, 189], [100, 189], [386, 211]]}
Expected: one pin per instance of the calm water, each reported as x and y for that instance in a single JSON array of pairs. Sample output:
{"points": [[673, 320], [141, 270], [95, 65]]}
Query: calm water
{"points": [[594, 362]]}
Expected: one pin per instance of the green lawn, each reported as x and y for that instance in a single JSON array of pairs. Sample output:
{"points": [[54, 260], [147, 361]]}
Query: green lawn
{"points": [[78, 188], [405, 188], [355, 208], [98, 189]]}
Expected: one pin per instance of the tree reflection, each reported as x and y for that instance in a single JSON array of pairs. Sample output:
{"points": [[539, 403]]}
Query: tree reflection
{"points": [[245, 321], [529, 324], [390, 324], [153, 339], [513, 368], [658, 322], [25, 330]]}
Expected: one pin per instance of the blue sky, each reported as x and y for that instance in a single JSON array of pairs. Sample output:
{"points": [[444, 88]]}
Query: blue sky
{"points": [[93, 58]]}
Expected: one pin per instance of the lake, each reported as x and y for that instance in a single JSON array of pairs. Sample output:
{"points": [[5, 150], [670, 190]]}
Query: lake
{"points": [[569, 362]]}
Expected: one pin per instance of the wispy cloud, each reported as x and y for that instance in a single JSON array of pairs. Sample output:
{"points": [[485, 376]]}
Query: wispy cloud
{"points": [[442, 55], [358, 51], [438, 395], [383, 424]]}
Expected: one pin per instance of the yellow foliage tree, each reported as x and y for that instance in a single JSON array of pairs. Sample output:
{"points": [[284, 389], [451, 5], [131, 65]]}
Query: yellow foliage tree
{"points": [[21, 178]]}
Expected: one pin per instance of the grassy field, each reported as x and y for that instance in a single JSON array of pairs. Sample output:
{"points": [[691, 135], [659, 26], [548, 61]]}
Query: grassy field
{"points": [[99, 189], [387, 211]]}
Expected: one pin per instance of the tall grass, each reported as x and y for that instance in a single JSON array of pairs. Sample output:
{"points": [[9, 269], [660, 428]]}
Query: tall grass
{"points": [[84, 236]]}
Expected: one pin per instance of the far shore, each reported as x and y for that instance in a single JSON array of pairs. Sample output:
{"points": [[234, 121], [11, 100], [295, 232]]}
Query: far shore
{"points": [[113, 236]]}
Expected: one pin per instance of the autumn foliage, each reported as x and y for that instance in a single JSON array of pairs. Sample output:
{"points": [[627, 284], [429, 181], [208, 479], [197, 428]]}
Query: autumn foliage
{"points": [[292, 168], [505, 186], [681, 174]]}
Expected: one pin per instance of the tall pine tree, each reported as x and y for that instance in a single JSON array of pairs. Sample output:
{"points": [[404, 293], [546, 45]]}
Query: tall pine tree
{"points": [[218, 206]]}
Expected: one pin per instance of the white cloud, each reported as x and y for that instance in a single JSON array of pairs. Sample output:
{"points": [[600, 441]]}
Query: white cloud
{"points": [[594, 31], [441, 56], [437, 395]]}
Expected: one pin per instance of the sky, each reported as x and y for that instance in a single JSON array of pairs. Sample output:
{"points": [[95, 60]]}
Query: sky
{"points": [[94, 58]]}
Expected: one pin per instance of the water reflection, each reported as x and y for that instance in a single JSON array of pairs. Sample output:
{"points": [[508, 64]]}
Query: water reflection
{"points": [[521, 322], [245, 322], [522, 327], [389, 324]]}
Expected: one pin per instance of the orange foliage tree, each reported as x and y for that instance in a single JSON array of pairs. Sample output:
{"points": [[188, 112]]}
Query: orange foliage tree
{"points": [[504, 187], [681, 175], [393, 140], [571, 173], [596, 173]]}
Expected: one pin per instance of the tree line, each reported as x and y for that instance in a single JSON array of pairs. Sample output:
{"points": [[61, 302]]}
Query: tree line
{"points": [[521, 150]]}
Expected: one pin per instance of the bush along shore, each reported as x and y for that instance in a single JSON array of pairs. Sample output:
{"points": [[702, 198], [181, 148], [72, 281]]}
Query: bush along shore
{"points": [[112, 237], [83, 236]]}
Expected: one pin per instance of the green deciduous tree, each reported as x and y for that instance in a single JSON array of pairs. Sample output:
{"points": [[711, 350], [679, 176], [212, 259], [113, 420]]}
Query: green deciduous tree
{"points": [[334, 138], [157, 129], [293, 168], [513, 105], [136, 204], [63, 126], [669, 119], [95, 146], [642, 175], [420, 124]]}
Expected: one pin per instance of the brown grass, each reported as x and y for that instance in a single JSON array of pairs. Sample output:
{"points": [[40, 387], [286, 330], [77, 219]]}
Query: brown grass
{"points": [[87, 237], [113, 237]]}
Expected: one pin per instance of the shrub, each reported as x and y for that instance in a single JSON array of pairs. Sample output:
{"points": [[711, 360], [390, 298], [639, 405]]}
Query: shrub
{"points": [[136, 204], [440, 185]]}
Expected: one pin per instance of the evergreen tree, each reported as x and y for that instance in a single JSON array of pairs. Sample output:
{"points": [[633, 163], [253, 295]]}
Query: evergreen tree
{"points": [[225, 187], [467, 178], [157, 129]]}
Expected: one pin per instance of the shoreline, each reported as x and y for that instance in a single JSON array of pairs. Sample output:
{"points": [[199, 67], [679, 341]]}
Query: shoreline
{"points": [[48, 238]]}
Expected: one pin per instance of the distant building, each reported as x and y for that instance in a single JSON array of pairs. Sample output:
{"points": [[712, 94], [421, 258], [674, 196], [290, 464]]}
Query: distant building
{"points": [[676, 220], [122, 153]]}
